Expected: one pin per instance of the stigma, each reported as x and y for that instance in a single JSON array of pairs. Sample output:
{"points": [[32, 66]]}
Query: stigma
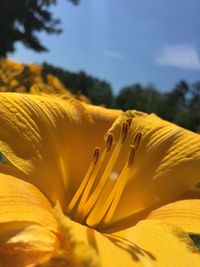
{"points": [[99, 193]]}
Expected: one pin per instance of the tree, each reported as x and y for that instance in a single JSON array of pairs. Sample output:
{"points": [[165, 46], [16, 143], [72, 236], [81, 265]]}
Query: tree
{"points": [[175, 102], [21, 20], [191, 120], [98, 91], [146, 99], [130, 97]]}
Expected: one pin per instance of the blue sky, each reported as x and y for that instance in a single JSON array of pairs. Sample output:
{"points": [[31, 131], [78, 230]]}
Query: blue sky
{"points": [[124, 42]]}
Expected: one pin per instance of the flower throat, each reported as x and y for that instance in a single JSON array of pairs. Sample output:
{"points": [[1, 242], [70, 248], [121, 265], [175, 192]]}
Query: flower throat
{"points": [[99, 193]]}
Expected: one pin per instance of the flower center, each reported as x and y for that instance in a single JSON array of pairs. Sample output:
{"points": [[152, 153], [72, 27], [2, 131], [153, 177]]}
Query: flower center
{"points": [[99, 193]]}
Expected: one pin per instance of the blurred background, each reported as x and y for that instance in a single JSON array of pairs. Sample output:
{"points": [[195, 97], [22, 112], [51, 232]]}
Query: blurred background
{"points": [[133, 54]]}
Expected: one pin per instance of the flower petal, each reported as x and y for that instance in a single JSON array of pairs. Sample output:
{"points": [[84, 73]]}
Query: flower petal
{"points": [[149, 243], [166, 164], [91, 247], [22, 246], [50, 139], [23, 203], [184, 213], [157, 244], [27, 226]]}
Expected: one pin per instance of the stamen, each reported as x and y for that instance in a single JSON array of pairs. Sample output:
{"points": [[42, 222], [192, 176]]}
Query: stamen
{"points": [[131, 155], [96, 199], [85, 180], [137, 139], [124, 131], [96, 193], [112, 201], [129, 121], [122, 181], [93, 176], [109, 142], [96, 155]]}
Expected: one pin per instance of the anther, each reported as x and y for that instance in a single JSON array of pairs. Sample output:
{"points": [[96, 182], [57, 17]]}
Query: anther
{"points": [[87, 207], [124, 131], [137, 139], [131, 156], [109, 142], [85, 180], [96, 155], [129, 121]]}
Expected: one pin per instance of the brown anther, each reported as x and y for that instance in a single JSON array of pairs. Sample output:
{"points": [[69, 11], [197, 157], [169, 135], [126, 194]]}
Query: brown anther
{"points": [[137, 139], [109, 142], [124, 131], [131, 155], [96, 155], [129, 120]]}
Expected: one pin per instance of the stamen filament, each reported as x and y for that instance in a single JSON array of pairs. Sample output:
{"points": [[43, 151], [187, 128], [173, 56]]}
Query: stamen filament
{"points": [[85, 180], [88, 188], [95, 195], [112, 201], [124, 131], [121, 185]]}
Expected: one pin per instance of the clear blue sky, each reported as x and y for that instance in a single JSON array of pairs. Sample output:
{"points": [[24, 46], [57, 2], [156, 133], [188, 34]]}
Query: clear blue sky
{"points": [[125, 42]]}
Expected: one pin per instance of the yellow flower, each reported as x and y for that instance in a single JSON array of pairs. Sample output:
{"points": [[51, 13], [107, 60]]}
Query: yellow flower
{"points": [[53, 86], [87, 186], [9, 69], [35, 69], [19, 78]]}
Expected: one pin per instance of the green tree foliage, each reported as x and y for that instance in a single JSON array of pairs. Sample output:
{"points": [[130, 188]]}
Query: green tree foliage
{"points": [[175, 102], [181, 105], [191, 116], [146, 99], [98, 91], [21, 20]]}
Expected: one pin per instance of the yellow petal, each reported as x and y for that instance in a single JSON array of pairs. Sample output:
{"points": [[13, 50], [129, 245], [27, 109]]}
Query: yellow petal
{"points": [[51, 140], [22, 203], [184, 213], [155, 244], [147, 244], [92, 248], [167, 163], [23, 246], [27, 226], [193, 193]]}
